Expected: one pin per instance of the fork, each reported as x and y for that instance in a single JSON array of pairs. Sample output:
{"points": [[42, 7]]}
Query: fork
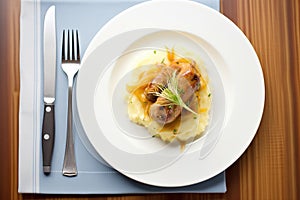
{"points": [[70, 65]]}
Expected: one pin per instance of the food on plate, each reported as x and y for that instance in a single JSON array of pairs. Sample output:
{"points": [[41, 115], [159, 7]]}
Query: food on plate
{"points": [[170, 97]]}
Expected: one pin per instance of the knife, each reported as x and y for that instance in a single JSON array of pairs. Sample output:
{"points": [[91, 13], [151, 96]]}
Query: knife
{"points": [[48, 128]]}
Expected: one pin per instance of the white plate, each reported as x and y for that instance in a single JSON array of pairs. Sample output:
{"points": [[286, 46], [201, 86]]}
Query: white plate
{"points": [[235, 76]]}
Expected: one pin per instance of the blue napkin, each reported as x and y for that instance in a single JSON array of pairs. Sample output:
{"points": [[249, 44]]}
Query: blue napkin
{"points": [[94, 176]]}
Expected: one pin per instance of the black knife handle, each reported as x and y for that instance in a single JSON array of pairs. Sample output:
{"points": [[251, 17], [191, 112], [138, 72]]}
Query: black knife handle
{"points": [[48, 131]]}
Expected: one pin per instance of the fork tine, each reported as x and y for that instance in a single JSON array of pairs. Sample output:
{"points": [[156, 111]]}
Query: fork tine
{"points": [[78, 49], [68, 57], [63, 56], [73, 49], [70, 46]]}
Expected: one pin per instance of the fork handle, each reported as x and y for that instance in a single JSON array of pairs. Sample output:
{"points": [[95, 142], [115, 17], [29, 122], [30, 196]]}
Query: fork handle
{"points": [[69, 167]]}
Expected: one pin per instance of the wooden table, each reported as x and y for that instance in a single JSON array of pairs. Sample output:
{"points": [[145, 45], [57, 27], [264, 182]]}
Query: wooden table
{"points": [[270, 167]]}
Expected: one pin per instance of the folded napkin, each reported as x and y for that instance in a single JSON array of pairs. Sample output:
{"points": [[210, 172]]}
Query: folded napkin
{"points": [[95, 176]]}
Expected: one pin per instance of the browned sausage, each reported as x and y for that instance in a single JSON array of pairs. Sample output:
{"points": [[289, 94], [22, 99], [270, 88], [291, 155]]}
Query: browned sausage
{"points": [[188, 83], [164, 114], [158, 82]]}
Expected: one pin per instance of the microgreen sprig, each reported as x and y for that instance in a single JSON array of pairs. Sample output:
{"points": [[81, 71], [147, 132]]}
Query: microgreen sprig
{"points": [[172, 93]]}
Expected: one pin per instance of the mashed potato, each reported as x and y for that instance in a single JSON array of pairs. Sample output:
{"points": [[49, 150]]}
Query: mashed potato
{"points": [[187, 126]]}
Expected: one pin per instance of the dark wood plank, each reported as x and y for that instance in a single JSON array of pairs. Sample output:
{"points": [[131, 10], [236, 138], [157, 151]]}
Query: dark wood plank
{"points": [[6, 117], [269, 168]]}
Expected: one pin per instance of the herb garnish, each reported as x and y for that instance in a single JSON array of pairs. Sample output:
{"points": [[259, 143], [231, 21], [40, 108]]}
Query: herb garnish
{"points": [[172, 93]]}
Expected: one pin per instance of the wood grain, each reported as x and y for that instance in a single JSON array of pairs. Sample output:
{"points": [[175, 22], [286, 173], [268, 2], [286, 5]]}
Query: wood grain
{"points": [[269, 169]]}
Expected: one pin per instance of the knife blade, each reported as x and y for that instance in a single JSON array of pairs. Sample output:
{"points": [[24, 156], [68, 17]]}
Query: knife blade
{"points": [[48, 127]]}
